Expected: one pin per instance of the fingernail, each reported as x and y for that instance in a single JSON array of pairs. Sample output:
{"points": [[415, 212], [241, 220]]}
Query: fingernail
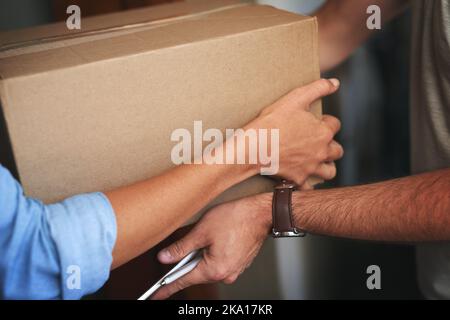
{"points": [[165, 256], [335, 82]]}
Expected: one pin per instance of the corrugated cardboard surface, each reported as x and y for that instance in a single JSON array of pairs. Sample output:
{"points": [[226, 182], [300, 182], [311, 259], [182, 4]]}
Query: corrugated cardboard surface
{"points": [[93, 113]]}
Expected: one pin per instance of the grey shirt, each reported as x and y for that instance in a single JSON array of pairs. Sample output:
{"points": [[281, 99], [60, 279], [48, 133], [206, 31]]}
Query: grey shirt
{"points": [[430, 124]]}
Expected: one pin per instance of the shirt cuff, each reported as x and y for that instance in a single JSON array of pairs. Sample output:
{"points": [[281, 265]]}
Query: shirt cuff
{"points": [[84, 232]]}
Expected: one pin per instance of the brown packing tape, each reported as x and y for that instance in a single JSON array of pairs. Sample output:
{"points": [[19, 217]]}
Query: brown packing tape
{"points": [[116, 30], [53, 55], [112, 19]]}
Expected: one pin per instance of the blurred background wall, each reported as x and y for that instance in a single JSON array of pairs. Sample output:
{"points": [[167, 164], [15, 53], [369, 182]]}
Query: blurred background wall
{"points": [[373, 106], [24, 13]]}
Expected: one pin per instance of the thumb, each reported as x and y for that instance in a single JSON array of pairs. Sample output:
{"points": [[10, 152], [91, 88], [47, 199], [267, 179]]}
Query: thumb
{"points": [[181, 248], [316, 90]]}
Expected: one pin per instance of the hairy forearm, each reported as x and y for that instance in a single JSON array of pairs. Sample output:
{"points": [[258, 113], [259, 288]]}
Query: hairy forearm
{"points": [[342, 27], [148, 211], [415, 208]]}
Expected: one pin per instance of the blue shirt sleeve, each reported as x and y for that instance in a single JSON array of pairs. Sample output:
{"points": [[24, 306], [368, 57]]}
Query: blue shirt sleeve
{"points": [[57, 251]]}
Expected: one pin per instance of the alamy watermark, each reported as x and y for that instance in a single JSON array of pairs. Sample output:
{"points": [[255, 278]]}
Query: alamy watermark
{"points": [[374, 20], [250, 146], [373, 282], [73, 280], [73, 22]]}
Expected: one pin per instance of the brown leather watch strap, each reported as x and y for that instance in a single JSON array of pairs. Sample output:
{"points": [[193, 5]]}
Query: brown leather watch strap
{"points": [[283, 225]]}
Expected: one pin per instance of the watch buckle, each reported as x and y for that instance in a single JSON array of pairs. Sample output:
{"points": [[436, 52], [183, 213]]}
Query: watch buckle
{"points": [[288, 234], [286, 185]]}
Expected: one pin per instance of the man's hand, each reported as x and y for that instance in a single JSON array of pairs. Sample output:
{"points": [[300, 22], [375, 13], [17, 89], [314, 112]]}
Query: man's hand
{"points": [[306, 146], [231, 235]]}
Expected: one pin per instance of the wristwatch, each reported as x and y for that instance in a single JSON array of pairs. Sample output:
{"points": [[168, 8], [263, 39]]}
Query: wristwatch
{"points": [[283, 225]]}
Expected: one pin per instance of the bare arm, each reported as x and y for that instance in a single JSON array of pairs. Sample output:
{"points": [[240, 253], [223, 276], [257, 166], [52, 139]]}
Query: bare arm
{"points": [[148, 211], [415, 208], [342, 26]]}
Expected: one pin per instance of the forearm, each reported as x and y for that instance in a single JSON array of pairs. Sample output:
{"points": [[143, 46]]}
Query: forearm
{"points": [[342, 27], [149, 211], [415, 208]]}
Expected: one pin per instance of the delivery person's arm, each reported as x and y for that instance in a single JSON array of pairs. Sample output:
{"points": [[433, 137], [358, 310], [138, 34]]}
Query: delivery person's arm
{"points": [[410, 209], [342, 26], [65, 250]]}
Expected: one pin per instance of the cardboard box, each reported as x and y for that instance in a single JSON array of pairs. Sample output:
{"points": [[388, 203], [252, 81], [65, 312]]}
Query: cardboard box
{"points": [[94, 109]]}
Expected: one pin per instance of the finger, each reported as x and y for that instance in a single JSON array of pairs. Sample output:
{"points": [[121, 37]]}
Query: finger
{"points": [[332, 122], [315, 90], [306, 186], [326, 170], [194, 277], [181, 248], [335, 151]]}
